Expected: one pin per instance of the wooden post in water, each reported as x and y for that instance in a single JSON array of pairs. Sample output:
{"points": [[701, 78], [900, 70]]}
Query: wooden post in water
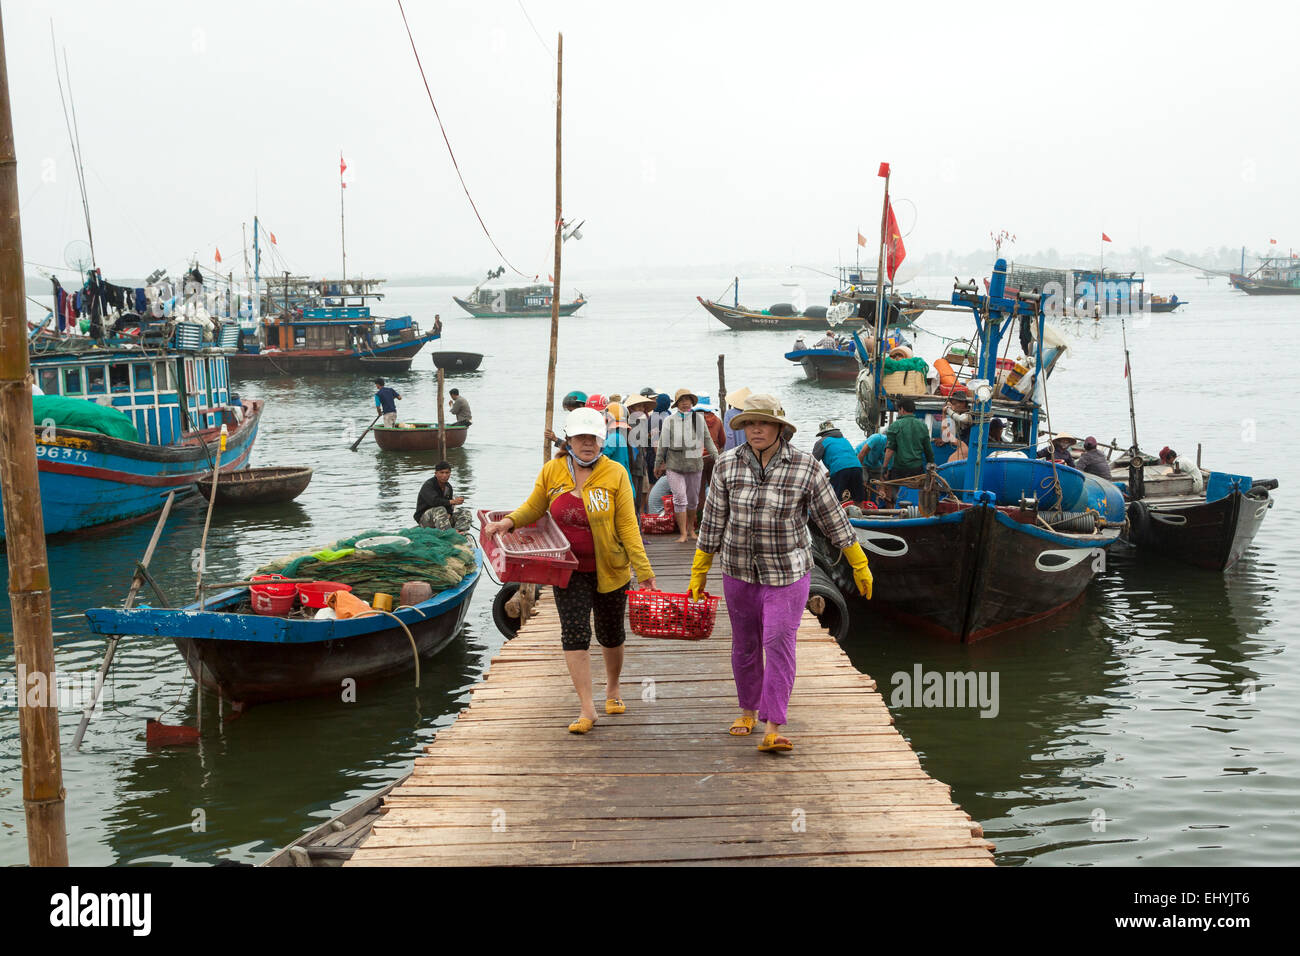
{"points": [[722, 387], [442, 434], [559, 241], [29, 572]]}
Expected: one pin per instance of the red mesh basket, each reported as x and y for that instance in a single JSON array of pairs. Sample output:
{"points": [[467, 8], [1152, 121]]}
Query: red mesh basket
{"points": [[673, 616], [662, 523]]}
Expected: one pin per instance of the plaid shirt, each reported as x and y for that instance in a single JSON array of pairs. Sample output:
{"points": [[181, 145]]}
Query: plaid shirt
{"points": [[760, 523]]}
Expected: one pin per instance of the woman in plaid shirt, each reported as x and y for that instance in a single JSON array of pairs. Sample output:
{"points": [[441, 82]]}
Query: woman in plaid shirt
{"points": [[756, 515]]}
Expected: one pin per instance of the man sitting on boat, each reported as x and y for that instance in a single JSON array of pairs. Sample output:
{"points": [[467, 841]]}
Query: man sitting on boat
{"points": [[1093, 461], [827, 341], [1059, 449], [436, 506], [385, 401], [460, 408], [1182, 464]]}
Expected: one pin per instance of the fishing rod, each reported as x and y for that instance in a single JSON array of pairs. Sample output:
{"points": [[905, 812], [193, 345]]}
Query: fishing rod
{"points": [[74, 139]]}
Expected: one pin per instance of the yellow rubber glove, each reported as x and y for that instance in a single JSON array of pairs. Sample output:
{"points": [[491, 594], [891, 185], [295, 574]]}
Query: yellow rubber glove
{"points": [[700, 573], [857, 559]]}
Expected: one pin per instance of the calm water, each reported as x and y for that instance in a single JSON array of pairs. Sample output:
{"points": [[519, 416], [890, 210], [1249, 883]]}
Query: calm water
{"points": [[1155, 723]]}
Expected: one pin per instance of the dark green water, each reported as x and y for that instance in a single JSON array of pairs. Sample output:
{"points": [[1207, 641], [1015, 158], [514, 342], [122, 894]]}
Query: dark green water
{"points": [[1153, 722]]}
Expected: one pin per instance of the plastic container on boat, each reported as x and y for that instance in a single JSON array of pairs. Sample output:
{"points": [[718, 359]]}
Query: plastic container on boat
{"points": [[272, 598], [316, 593]]}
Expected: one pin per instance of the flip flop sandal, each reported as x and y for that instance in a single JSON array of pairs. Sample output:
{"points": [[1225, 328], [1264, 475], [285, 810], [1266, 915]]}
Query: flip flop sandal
{"points": [[742, 726], [581, 725], [774, 742], [615, 705]]}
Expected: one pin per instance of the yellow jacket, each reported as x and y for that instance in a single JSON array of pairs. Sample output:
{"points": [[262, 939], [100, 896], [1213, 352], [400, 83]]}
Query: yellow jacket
{"points": [[611, 511]]}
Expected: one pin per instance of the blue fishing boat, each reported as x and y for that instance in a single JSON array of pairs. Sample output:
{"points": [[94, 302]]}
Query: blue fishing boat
{"points": [[326, 325], [172, 404], [1000, 538], [251, 658], [826, 365]]}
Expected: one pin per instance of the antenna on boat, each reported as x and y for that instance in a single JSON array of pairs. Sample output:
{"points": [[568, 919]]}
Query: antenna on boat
{"points": [[74, 137]]}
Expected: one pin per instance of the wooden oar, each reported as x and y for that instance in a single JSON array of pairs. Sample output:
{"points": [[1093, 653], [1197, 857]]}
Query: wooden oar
{"points": [[207, 522], [136, 583], [367, 431]]}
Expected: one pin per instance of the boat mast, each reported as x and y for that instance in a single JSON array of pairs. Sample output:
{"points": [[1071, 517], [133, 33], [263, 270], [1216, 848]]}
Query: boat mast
{"points": [[878, 362], [74, 140], [257, 279], [559, 241], [29, 570], [343, 235], [1128, 374]]}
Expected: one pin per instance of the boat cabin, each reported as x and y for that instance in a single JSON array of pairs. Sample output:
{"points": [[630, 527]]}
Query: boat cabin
{"points": [[166, 395]]}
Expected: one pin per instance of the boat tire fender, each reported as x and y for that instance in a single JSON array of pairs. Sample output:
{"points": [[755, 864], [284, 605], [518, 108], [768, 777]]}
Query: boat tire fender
{"points": [[834, 615], [507, 625]]}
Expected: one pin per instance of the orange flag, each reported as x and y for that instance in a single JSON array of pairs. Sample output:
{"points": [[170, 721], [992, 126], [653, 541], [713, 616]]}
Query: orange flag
{"points": [[217, 255], [862, 240], [893, 240]]}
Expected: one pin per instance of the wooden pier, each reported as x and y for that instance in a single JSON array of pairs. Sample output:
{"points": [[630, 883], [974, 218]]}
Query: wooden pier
{"points": [[664, 784]]}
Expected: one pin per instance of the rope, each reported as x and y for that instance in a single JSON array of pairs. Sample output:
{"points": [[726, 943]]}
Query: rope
{"points": [[448, 142]]}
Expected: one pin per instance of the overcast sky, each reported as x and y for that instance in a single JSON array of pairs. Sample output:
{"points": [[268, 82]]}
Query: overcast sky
{"points": [[695, 132]]}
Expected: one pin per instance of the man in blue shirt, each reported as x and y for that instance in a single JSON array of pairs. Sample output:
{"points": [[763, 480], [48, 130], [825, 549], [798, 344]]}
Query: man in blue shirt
{"points": [[871, 453], [835, 451], [384, 401]]}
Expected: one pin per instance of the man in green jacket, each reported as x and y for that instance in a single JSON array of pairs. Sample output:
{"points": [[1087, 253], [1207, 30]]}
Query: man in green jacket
{"points": [[908, 447]]}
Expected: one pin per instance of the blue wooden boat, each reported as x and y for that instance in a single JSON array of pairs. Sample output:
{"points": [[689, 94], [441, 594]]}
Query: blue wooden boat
{"points": [[250, 658], [1001, 539], [177, 399], [326, 325], [826, 365]]}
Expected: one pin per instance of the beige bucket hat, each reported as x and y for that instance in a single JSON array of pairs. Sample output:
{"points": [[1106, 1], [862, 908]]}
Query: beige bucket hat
{"points": [[687, 393], [761, 408], [737, 398], [634, 400]]}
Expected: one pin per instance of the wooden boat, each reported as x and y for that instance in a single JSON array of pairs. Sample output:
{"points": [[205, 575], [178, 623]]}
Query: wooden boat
{"points": [[177, 399], [257, 485], [250, 658], [826, 365], [418, 436], [326, 326], [457, 361], [334, 841], [1017, 543], [1275, 275], [528, 302], [1208, 529], [740, 319]]}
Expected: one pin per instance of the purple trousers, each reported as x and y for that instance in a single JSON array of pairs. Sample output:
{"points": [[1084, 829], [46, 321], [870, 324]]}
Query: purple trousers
{"points": [[764, 621]]}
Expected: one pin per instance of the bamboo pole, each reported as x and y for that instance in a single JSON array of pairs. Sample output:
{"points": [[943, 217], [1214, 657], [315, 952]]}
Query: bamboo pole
{"points": [[442, 432], [207, 522], [722, 387], [29, 573]]}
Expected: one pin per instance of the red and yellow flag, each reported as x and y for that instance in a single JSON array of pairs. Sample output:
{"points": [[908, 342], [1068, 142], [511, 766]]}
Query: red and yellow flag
{"points": [[895, 253]]}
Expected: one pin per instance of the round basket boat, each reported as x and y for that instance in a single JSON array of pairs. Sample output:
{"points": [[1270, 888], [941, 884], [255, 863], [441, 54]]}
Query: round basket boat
{"points": [[257, 485], [457, 361], [418, 436]]}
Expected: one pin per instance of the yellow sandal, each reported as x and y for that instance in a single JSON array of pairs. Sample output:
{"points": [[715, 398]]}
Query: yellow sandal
{"points": [[615, 705], [581, 725], [742, 726], [774, 742]]}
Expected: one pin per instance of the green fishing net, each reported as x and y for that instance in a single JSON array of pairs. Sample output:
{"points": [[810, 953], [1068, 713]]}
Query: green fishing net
{"points": [[904, 365], [440, 557]]}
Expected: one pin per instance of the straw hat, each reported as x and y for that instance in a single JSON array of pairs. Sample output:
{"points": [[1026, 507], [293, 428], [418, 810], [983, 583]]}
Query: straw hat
{"points": [[635, 400], [737, 398], [1064, 436], [761, 408], [685, 393], [824, 427]]}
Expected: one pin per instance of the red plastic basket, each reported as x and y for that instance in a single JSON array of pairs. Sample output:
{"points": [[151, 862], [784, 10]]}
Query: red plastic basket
{"points": [[538, 553], [673, 616], [662, 523]]}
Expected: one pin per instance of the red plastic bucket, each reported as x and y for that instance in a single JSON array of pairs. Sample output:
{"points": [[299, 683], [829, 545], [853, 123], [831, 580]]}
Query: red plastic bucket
{"points": [[272, 598], [317, 593]]}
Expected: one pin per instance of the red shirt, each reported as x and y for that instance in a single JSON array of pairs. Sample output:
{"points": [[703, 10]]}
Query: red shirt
{"points": [[571, 515]]}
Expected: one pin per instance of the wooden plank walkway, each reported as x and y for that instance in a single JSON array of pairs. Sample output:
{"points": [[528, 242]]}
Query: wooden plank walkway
{"points": [[664, 783]]}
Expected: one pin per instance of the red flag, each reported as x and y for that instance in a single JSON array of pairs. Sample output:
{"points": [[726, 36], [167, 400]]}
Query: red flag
{"points": [[883, 172], [1126, 365], [1272, 242], [893, 240], [550, 279], [862, 240], [217, 255], [343, 167], [1105, 238], [273, 242]]}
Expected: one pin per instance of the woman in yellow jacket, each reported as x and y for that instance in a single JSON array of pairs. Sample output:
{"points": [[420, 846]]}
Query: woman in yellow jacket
{"points": [[590, 498]]}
